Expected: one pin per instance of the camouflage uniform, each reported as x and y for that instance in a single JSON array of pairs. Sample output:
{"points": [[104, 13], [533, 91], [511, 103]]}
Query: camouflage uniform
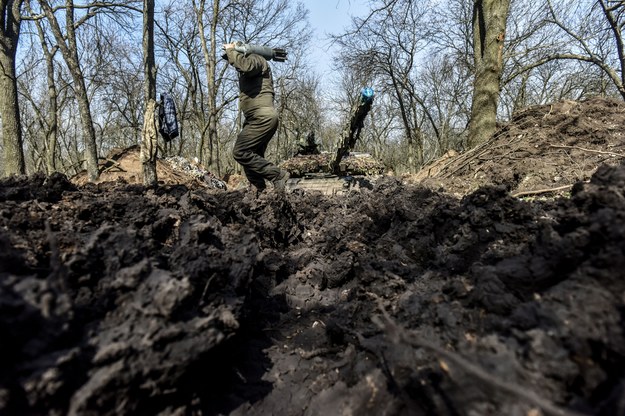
{"points": [[261, 119]]}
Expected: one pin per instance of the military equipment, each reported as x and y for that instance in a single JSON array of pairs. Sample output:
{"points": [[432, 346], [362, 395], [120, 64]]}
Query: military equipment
{"points": [[340, 171], [275, 54], [356, 123]]}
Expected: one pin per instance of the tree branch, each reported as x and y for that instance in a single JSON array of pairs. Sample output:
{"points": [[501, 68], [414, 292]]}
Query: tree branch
{"points": [[541, 191], [587, 150]]}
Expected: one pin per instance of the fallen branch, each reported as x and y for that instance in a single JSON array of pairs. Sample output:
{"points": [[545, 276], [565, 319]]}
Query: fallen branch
{"points": [[307, 355], [541, 191], [72, 166], [587, 150], [472, 155], [114, 164], [397, 334]]}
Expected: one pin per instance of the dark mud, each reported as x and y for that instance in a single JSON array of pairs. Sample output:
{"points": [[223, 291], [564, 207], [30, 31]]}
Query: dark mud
{"points": [[399, 300], [116, 299]]}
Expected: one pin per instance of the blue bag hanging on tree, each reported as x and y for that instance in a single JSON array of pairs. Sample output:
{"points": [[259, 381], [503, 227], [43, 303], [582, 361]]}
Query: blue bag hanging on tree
{"points": [[167, 119]]}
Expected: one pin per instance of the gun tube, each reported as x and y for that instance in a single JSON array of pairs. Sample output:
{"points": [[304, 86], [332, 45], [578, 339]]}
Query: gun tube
{"points": [[356, 123]]}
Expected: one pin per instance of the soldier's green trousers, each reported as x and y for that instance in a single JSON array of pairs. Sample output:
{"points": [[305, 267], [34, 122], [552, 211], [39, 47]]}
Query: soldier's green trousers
{"points": [[249, 150]]}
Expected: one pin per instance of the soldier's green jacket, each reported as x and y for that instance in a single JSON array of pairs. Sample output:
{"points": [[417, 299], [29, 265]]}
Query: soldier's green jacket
{"points": [[255, 91]]}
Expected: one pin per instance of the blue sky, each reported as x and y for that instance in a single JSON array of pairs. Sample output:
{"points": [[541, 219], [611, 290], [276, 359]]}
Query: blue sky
{"points": [[330, 16]]}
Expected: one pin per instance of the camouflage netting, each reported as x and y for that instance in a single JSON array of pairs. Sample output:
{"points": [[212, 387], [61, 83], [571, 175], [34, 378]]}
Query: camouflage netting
{"points": [[195, 170], [354, 164]]}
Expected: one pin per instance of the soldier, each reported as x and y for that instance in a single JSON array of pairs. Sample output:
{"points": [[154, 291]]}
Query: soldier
{"points": [[261, 119]]}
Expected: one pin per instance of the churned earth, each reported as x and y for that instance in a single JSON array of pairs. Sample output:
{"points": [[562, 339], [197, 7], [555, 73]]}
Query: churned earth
{"points": [[491, 284]]}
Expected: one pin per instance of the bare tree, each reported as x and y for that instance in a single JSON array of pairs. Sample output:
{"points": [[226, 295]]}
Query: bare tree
{"points": [[590, 40], [431, 82], [178, 39], [209, 49], [299, 111], [69, 48], [48, 123], [114, 79], [386, 45], [118, 101], [67, 43], [10, 22], [443, 85], [555, 59]]}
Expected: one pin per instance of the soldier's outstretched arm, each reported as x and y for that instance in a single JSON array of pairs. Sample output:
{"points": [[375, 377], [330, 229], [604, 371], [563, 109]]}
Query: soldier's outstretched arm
{"points": [[251, 64]]}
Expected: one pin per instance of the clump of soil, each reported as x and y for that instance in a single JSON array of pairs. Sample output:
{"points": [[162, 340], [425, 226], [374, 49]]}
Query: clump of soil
{"points": [[401, 300]]}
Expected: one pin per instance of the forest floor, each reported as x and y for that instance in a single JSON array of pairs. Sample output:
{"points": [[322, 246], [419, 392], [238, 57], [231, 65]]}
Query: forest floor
{"points": [[492, 283]]}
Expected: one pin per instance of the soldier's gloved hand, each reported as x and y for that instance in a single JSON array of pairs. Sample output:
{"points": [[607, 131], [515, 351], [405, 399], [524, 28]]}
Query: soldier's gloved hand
{"points": [[225, 47]]}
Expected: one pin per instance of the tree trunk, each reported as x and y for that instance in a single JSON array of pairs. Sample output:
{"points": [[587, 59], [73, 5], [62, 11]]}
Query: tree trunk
{"points": [[9, 109], [70, 54], [209, 52], [80, 88], [149, 144], [52, 126], [613, 13], [489, 27], [213, 112], [415, 154], [149, 141], [88, 132]]}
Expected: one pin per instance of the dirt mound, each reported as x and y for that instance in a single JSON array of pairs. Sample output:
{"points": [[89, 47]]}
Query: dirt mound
{"points": [[542, 150], [124, 165], [399, 300]]}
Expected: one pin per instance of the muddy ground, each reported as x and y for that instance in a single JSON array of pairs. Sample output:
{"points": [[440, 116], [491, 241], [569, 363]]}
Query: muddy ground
{"points": [[443, 296]]}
